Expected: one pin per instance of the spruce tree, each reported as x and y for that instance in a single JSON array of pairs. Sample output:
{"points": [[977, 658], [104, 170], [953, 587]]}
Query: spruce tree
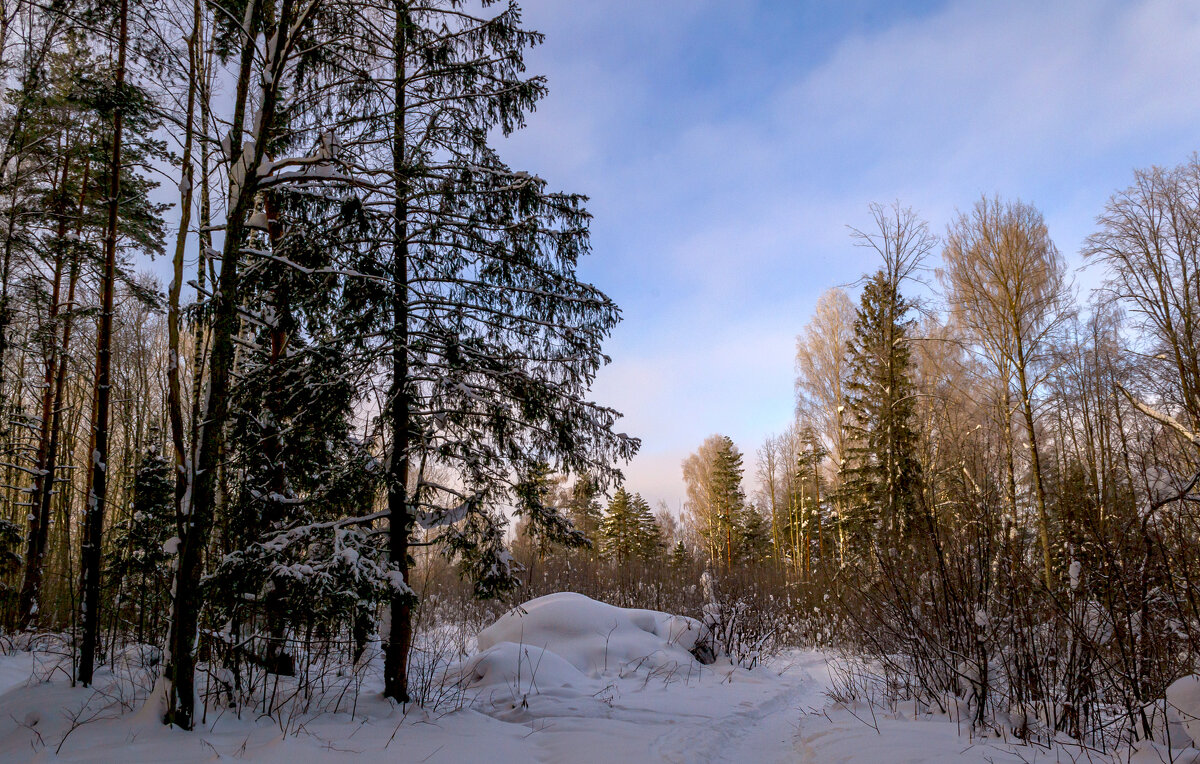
{"points": [[281, 53], [141, 570], [884, 474], [650, 536], [491, 339], [292, 459], [808, 484], [542, 520], [629, 530], [618, 528], [680, 558], [713, 475], [754, 536]]}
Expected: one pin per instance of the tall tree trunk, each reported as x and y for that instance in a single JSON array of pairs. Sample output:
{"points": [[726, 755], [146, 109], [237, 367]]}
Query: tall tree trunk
{"points": [[174, 386], [47, 486], [1010, 467], [770, 457], [728, 521], [399, 641], [277, 658], [206, 249], [816, 475], [6, 262], [195, 522], [97, 494], [39, 521], [1039, 490]]}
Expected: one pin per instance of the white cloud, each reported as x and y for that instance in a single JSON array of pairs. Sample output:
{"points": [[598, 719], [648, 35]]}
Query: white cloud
{"points": [[722, 209], [994, 90]]}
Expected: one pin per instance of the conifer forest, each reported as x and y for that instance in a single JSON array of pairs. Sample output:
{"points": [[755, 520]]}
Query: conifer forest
{"points": [[314, 384]]}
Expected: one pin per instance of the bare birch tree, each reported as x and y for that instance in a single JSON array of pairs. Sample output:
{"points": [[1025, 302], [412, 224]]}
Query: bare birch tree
{"points": [[821, 380], [1007, 283]]}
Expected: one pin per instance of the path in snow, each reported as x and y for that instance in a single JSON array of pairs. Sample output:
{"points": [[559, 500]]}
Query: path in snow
{"points": [[763, 729]]}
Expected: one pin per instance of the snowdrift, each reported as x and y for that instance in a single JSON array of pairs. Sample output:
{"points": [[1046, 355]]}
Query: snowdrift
{"points": [[568, 644], [1183, 710]]}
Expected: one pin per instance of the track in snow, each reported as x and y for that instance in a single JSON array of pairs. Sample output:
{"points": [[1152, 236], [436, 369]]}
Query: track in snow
{"points": [[763, 730]]}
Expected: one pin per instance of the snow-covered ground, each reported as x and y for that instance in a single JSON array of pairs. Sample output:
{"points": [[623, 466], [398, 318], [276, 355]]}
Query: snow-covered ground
{"points": [[566, 679]]}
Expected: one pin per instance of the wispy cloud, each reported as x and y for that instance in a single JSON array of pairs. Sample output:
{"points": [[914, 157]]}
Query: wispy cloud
{"points": [[727, 145]]}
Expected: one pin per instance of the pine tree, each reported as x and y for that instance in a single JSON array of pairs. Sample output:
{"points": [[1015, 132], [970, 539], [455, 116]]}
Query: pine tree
{"points": [[97, 490], [729, 499], [77, 102]]}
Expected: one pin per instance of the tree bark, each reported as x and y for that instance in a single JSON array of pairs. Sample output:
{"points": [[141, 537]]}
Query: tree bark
{"points": [[195, 522], [399, 641], [1039, 490], [97, 494], [39, 519], [174, 386]]}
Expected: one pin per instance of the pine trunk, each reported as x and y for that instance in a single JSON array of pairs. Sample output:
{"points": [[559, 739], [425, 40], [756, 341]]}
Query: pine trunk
{"points": [[39, 520], [93, 527]]}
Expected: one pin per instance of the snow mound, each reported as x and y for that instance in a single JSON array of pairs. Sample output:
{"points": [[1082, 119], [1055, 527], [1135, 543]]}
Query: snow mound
{"points": [[569, 637], [1150, 752], [1183, 704], [518, 671]]}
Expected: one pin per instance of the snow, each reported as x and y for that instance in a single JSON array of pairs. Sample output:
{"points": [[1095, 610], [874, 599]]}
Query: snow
{"points": [[563, 678], [396, 579], [596, 638], [1183, 705], [855, 732], [258, 221], [1074, 572]]}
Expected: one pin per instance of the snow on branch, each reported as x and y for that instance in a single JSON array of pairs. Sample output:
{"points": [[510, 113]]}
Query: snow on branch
{"points": [[1162, 418]]}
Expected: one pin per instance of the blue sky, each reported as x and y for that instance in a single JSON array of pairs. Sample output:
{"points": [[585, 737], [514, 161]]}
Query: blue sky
{"points": [[727, 145]]}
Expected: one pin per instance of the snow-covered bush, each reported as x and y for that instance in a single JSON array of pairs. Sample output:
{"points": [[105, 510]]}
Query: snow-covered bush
{"points": [[734, 628]]}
